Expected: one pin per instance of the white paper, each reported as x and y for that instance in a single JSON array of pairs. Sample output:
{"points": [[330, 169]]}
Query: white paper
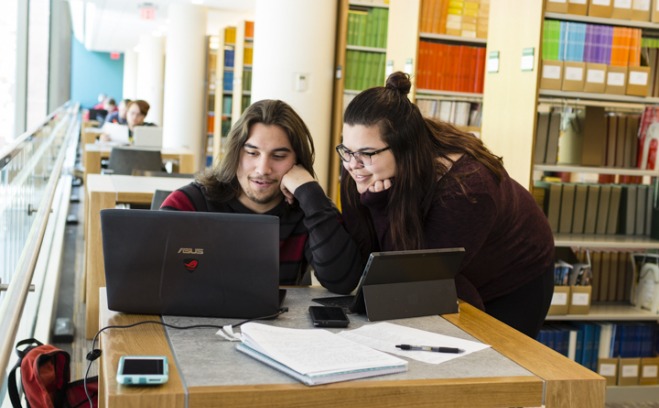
{"points": [[385, 336], [313, 351]]}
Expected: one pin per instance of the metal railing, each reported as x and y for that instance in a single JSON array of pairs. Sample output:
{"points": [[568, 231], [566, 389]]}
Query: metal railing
{"points": [[33, 171]]}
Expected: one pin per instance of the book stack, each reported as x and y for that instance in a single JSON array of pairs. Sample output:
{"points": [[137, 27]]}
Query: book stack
{"points": [[364, 70], [582, 42], [602, 209], [595, 344], [367, 27], [594, 58], [588, 137], [456, 68], [650, 57], [459, 113], [462, 18]]}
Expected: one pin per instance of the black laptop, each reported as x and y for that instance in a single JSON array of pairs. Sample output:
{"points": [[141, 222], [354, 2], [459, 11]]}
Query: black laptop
{"points": [[401, 284], [191, 263]]}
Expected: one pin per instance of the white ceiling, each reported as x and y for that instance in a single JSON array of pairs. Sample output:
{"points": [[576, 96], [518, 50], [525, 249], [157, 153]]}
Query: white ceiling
{"points": [[116, 25]]}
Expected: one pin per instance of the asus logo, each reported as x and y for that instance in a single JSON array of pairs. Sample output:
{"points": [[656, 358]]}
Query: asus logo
{"points": [[191, 251]]}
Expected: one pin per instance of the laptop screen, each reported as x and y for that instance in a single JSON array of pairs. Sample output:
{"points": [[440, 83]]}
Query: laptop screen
{"points": [[147, 136], [191, 263]]}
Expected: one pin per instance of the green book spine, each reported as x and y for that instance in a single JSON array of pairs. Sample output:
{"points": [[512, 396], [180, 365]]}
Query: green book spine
{"points": [[551, 35]]}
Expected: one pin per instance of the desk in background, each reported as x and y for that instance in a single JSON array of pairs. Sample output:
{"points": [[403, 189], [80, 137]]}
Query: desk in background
{"points": [[106, 191], [515, 371], [94, 152]]}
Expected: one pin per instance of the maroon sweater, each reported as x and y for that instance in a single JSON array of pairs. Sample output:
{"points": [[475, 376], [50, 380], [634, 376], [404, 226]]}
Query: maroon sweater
{"points": [[506, 236], [310, 234]]}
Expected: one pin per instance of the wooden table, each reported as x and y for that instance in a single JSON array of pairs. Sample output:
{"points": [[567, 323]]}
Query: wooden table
{"points": [[94, 152], [516, 371], [106, 191]]}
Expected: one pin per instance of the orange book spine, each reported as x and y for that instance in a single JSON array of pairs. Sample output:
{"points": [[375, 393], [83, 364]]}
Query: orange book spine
{"points": [[439, 16], [620, 46], [439, 54], [635, 47], [422, 68], [426, 15], [480, 70]]}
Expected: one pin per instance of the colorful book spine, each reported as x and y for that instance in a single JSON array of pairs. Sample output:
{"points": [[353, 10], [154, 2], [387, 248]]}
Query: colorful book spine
{"points": [[551, 40]]}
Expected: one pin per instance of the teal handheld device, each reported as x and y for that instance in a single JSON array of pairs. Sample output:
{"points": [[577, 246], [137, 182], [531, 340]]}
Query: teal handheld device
{"points": [[142, 370]]}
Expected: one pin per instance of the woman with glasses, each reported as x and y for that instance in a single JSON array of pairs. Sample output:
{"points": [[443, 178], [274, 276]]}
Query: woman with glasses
{"points": [[416, 183]]}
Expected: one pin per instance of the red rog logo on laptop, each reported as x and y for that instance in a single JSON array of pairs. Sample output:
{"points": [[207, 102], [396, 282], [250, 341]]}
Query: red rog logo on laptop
{"points": [[190, 264]]}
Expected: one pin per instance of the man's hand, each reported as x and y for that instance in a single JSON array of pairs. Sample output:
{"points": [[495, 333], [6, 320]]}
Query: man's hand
{"points": [[295, 177]]}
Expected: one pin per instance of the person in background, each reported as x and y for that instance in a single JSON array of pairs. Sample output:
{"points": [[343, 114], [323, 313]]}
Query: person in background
{"points": [[119, 115], [416, 183], [135, 115], [110, 105], [268, 169]]}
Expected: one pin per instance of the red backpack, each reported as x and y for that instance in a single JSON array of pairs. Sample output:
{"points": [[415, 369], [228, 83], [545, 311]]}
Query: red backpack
{"points": [[45, 378]]}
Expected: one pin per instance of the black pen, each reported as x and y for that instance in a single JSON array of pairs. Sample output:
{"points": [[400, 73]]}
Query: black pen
{"points": [[454, 350]]}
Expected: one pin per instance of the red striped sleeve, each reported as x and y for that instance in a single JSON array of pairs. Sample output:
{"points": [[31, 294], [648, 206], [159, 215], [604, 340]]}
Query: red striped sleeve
{"points": [[178, 200]]}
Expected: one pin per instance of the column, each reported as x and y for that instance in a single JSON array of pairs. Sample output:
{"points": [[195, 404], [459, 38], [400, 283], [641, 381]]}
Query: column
{"points": [[150, 72], [130, 75], [184, 80], [294, 43]]}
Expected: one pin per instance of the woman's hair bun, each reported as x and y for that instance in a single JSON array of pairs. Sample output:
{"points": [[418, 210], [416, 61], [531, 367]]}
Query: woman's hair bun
{"points": [[399, 81]]}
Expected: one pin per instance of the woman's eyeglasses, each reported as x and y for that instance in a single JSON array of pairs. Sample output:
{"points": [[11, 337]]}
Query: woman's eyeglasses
{"points": [[365, 158]]}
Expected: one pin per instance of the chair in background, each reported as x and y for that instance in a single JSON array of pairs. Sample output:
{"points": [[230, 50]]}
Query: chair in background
{"points": [[158, 197], [126, 160]]}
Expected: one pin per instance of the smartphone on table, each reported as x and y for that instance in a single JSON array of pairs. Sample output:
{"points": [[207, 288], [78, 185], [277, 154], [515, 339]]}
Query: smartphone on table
{"points": [[328, 316], [142, 370]]}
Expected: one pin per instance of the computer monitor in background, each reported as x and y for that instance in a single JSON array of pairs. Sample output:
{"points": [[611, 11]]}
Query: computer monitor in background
{"points": [[98, 115]]}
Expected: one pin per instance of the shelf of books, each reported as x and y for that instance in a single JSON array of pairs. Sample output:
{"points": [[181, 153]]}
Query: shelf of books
{"points": [[595, 176], [451, 61], [361, 49], [245, 56], [212, 89], [366, 45], [234, 78]]}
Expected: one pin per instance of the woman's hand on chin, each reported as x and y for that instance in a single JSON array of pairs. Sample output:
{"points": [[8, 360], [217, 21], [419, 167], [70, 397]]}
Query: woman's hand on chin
{"points": [[380, 185]]}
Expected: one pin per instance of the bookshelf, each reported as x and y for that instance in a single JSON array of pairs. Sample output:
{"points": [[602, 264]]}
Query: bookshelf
{"points": [[361, 52], [233, 78], [212, 89], [451, 57], [401, 52], [510, 88]]}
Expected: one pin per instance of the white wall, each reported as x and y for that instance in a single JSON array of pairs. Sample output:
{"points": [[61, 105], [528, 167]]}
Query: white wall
{"points": [[150, 75], [184, 79], [294, 62]]}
